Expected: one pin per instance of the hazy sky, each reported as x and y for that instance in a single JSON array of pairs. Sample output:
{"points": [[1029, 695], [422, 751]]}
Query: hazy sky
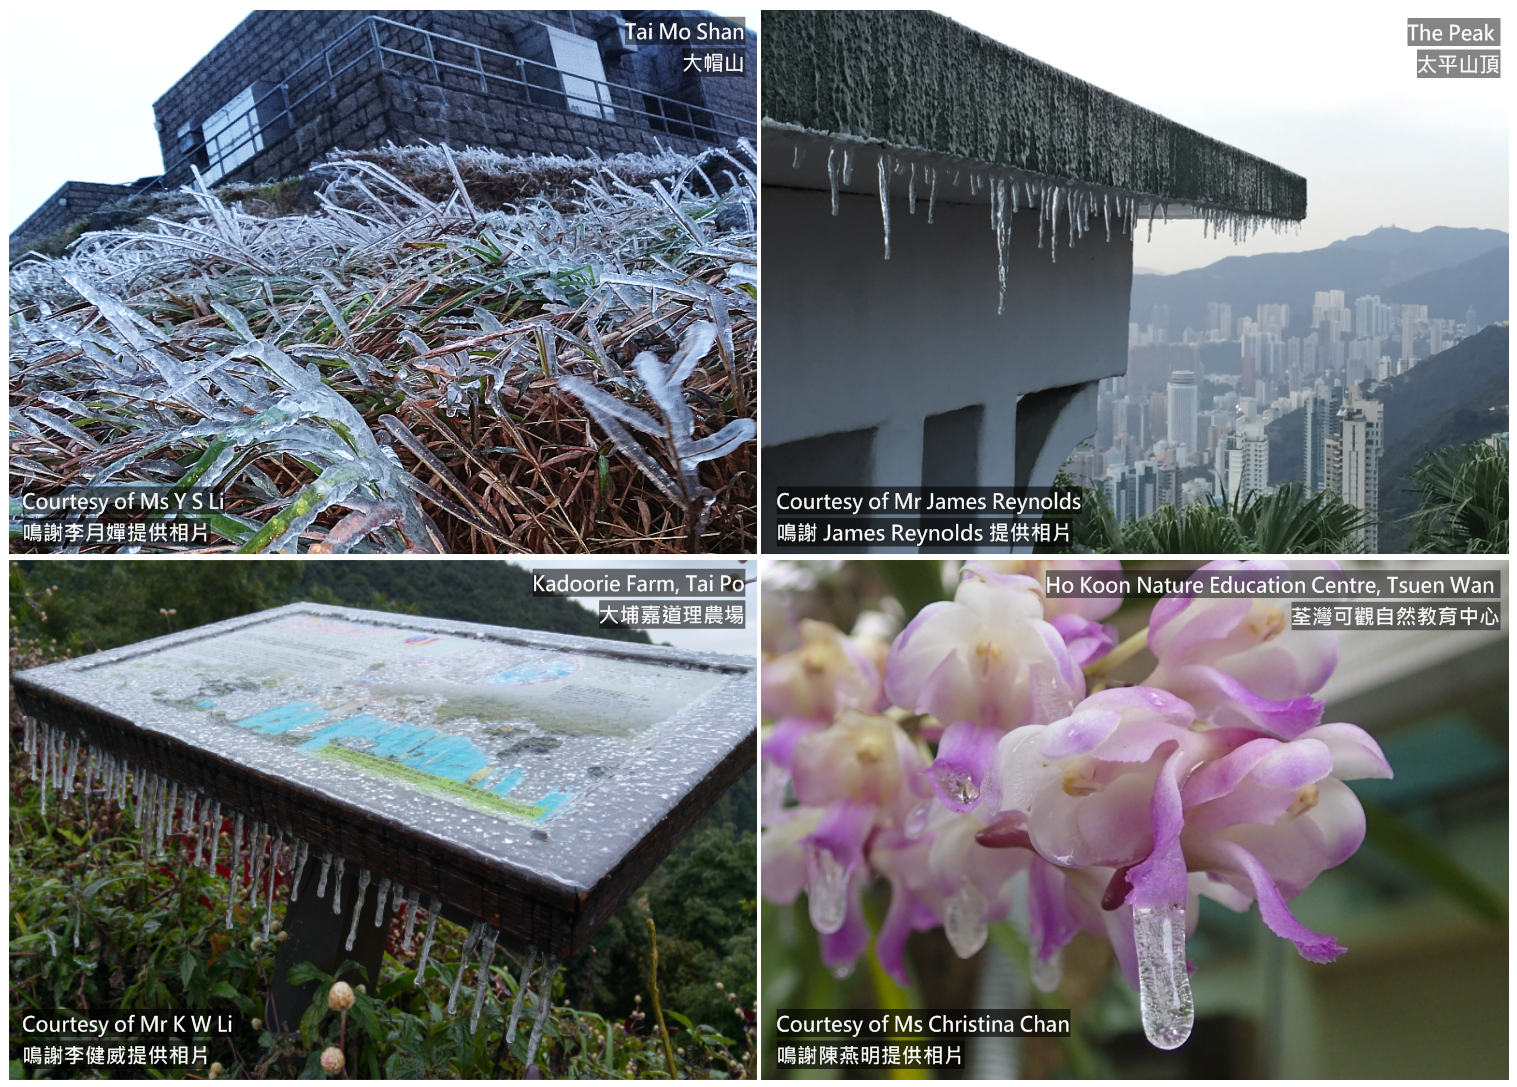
{"points": [[82, 87], [1326, 90], [717, 640]]}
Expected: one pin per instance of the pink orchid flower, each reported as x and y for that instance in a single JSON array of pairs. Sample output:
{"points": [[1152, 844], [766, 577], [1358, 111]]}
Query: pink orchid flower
{"points": [[1236, 660], [982, 663]]}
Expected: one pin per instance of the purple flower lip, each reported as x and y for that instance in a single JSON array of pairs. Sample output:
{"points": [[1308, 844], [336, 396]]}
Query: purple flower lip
{"points": [[1118, 889], [965, 756]]}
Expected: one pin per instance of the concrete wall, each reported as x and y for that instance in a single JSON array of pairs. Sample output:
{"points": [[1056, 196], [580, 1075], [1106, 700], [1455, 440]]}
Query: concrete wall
{"points": [[73, 201], [852, 341], [411, 100]]}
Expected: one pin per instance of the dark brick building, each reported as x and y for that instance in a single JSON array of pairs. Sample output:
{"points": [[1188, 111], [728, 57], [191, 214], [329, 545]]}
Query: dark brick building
{"points": [[285, 87]]}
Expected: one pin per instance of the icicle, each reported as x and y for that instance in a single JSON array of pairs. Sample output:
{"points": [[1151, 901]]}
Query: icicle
{"points": [[1053, 227], [363, 890], [885, 201], [964, 920], [31, 747], [237, 850], [1163, 984], [544, 1002], [397, 895], [45, 748], [1047, 973], [521, 990], [379, 907], [268, 908], [415, 897], [433, 911], [847, 167], [321, 884], [188, 823], [485, 959], [832, 176], [337, 887], [300, 867], [463, 963], [255, 861], [795, 159], [1106, 213], [932, 195], [215, 831], [71, 769], [166, 812], [826, 889], [911, 191]]}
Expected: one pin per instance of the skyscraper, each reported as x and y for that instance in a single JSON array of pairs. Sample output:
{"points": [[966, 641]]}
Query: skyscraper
{"points": [[1359, 452], [1243, 468], [1182, 410]]}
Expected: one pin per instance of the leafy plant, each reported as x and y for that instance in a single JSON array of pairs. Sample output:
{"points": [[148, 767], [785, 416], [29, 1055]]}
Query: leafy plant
{"points": [[665, 385], [1287, 521], [1465, 495]]}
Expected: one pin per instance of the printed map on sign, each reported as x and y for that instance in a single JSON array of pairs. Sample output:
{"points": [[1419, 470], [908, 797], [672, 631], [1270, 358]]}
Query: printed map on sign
{"points": [[512, 731]]}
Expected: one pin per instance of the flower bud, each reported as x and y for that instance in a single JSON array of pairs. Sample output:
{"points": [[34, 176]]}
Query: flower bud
{"points": [[257, 1024], [215, 1070], [340, 997], [332, 1060]]}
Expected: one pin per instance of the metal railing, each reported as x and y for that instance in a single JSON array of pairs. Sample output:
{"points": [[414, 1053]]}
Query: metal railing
{"points": [[501, 76]]}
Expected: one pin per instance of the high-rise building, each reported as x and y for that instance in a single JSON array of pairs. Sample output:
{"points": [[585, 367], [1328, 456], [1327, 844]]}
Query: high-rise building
{"points": [[1182, 409], [1359, 452], [1243, 469], [1471, 323], [1219, 319], [1408, 331]]}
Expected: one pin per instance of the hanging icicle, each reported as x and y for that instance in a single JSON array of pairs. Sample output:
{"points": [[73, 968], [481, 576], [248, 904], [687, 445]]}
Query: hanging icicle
{"points": [[321, 884], [379, 906], [521, 991], [544, 1003], [301, 853], [363, 890], [433, 912], [337, 887], [411, 901], [463, 964], [215, 832], [485, 958]]}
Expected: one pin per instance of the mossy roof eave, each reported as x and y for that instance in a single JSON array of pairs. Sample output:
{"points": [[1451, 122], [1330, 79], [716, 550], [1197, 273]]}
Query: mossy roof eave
{"points": [[918, 80]]}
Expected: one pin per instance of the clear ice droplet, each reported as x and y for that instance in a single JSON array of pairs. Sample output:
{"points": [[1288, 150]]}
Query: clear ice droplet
{"points": [[956, 785], [826, 889], [964, 920], [1163, 984], [1047, 973]]}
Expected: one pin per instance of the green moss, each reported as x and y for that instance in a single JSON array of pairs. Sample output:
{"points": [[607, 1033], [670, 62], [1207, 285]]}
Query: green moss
{"points": [[51, 245]]}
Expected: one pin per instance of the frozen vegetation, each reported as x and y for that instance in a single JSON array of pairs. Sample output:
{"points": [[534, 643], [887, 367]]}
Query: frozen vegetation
{"points": [[388, 368]]}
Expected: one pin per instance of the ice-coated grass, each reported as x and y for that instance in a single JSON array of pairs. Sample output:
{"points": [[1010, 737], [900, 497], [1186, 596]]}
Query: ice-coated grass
{"points": [[390, 371]]}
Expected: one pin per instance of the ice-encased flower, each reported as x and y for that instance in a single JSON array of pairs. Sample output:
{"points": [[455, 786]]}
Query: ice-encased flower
{"points": [[860, 773], [982, 664], [1236, 660]]}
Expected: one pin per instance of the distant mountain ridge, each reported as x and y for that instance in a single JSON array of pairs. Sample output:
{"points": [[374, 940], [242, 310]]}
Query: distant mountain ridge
{"points": [[1448, 267]]}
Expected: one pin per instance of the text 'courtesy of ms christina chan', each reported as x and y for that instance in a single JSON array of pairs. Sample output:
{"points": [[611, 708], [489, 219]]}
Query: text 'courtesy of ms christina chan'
{"points": [[902, 1040], [848, 518]]}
